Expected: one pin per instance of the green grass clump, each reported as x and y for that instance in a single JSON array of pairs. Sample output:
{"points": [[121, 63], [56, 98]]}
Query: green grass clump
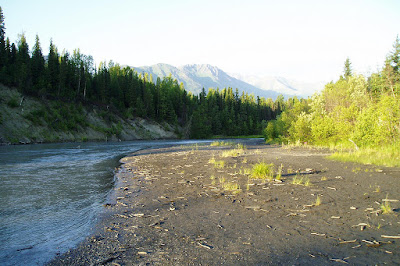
{"points": [[212, 178], [217, 164], [301, 180], [221, 143], [245, 171], [318, 201], [385, 155], [240, 146], [238, 137], [232, 186], [239, 150], [232, 153], [385, 207], [297, 180], [212, 160], [263, 171], [279, 174]]}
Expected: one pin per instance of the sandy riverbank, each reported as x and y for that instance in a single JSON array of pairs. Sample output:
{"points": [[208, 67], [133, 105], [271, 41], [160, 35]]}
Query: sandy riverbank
{"points": [[172, 209]]}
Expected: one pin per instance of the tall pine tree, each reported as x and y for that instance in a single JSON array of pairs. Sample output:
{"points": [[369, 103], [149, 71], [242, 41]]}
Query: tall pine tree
{"points": [[37, 66], [24, 78], [3, 50], [53, 71], [347, 69]]}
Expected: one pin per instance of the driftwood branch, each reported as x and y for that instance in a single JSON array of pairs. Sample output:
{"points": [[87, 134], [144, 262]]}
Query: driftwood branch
{"points": [[354, 144], [395, 237], [22, 99]]}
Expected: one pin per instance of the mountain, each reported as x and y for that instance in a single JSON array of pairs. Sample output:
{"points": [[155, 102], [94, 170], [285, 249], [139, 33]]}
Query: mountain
{"points": [[283, 85], [196, 77]]}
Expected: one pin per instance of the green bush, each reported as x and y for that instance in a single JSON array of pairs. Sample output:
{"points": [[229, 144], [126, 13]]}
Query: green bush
{"points": [[13, 102]]}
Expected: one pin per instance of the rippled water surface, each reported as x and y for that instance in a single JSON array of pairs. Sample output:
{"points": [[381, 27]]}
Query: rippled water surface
{"points": [[52, 194]]}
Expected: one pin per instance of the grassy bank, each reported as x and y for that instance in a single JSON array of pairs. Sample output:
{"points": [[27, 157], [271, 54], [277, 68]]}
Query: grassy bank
{"points": [[238, 137], [384, 156], [25, 119]]}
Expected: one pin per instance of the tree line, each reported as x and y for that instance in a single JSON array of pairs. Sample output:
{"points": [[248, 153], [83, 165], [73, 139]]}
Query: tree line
{"points": [[354, 110], [74, 78]]}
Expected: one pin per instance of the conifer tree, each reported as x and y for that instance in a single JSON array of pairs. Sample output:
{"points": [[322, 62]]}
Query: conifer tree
{"points": [[395, 59], [347, 68], [3, 54], [37, 66], [53, 69], [23, 65]]}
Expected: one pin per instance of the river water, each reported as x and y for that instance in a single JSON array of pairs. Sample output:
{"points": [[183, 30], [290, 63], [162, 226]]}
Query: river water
{"points": [[52, 194]]}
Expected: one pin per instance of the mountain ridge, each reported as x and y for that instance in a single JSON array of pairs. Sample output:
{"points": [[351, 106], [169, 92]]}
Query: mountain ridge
{"points": [[195, 77]]}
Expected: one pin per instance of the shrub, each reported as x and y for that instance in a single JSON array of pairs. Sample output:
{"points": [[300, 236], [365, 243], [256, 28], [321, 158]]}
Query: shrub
{"points": [[13, 102]]}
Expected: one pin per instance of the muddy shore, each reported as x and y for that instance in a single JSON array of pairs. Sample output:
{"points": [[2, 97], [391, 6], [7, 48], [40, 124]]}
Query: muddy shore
{"points": [[176, 207]]}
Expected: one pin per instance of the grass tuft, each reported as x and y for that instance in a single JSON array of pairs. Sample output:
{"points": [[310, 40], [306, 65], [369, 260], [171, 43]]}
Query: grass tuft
{"points": [[221, 143], [386, 208], [239, 150], [263, 171], [217, 164], [279, 174], [301, 180], [232, 186], [232, 153], [297, 180], [318, 201]]}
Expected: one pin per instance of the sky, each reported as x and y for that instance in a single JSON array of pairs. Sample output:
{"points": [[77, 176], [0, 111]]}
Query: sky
{"points": [[306, 40]]}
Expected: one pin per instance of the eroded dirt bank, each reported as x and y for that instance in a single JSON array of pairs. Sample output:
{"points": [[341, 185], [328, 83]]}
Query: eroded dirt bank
{"points": [[175, 207]]}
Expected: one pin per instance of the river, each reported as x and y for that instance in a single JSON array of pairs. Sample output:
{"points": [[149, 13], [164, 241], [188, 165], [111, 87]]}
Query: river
{"points": [[52, 194]]}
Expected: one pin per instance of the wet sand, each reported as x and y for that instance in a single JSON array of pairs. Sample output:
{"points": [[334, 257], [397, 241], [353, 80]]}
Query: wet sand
{"points": [[174, 208]]}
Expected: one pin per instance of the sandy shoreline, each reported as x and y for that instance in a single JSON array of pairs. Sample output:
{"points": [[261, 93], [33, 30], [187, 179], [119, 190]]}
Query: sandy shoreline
{"points": [[173, 209]]}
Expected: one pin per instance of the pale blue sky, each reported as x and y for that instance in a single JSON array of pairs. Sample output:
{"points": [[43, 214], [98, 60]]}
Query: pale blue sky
{"points": [[306, 40]]}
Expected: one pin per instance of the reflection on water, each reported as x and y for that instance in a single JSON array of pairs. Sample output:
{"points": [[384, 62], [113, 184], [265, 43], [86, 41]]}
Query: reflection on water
{"points": [[51, 195]]}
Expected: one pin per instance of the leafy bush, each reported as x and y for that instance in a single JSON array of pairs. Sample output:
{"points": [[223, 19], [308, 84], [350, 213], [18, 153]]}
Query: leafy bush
{"points": [[13, 102], [36, 116]]}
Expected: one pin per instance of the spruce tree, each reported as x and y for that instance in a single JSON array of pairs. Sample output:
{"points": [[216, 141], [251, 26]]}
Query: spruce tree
{"points": [[37, 66], [53, 69], [395, 59], [24, 78], [347, 69], [3, 54]]}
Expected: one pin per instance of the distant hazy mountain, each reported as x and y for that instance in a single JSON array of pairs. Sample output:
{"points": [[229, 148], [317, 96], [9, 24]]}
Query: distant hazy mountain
{"points": [[282, 85], [197, 77]]}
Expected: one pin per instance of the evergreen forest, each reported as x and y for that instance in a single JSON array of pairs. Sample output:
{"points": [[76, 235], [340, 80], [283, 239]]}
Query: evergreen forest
{"points": [[73, 78]]}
